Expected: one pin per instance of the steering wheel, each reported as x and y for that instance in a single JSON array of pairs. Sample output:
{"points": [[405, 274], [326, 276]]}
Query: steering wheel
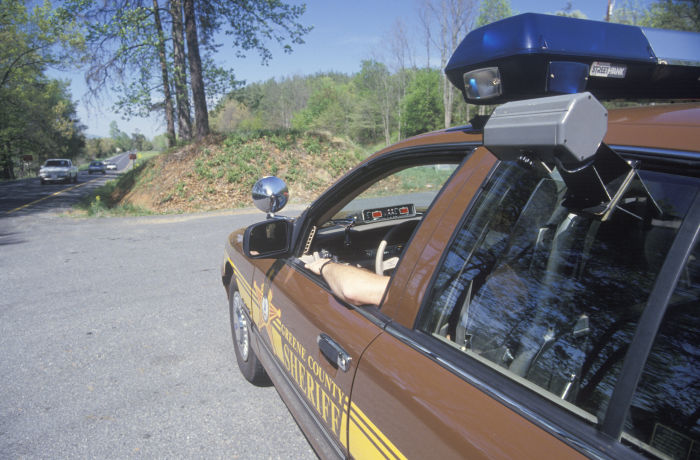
{"points": [[379, 263]]}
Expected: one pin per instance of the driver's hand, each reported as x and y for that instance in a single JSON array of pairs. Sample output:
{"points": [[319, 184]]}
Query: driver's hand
{"points": [[315, 266]]}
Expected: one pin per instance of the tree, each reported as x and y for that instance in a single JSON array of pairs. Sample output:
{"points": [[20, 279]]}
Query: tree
{"points": [[374, 83], [160, 142], [446, 22], [169, 115], [201, 115], [666, 14], [140, 142], [121, 140], [631, 13], [328, 107], [249, 25], [38, 114], [570, 12], [675, 15], [492, 11], [402, 59], [180, 73], [422, 106]]}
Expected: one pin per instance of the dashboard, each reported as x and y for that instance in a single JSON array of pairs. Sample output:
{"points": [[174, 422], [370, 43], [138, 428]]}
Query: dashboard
{"points": [[356, 243]]}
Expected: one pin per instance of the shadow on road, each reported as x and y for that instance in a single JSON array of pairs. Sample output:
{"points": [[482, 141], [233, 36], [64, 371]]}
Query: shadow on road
{"points": [[8, 238]]}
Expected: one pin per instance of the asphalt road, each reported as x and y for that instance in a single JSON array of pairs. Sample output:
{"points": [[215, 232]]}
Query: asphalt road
{"points": [[115, 342], [29, 196]]}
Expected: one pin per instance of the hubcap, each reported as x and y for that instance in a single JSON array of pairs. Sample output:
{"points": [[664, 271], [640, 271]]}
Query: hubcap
{"points": [[240, 325]]}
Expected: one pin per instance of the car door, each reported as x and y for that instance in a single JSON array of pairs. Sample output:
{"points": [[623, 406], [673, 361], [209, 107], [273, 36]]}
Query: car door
{"points": [[512, 329], [302, 324], [316, 339]]}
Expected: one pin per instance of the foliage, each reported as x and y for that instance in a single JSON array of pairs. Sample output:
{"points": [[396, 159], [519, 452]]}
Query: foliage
{"points": [[665, 14], [106, 200], [570, 12], [675, 15], [100, 147], [38, 116], [160, 142], [122, 140], [128, 55], [492, 11], [374, 83], [423, 104]]}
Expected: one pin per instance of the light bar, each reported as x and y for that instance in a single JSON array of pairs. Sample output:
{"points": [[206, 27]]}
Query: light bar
{"points": [[482, 83], [616, 61]]}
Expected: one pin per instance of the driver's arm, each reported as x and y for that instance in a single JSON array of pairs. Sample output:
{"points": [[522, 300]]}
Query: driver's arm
{"points": [[353, 285]]}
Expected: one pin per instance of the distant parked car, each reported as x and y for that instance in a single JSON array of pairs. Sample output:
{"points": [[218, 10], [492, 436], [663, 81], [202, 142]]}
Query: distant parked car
{"points": [[58, 170], [97, 167]]}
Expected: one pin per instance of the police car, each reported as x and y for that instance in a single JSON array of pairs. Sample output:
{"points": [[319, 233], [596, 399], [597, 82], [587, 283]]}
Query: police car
{"points": [[543, 264]]}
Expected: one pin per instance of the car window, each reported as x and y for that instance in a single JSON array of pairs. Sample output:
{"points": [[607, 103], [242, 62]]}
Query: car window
{"points": [[396, 199], [548, 295], [417, 186], [665, 411]]}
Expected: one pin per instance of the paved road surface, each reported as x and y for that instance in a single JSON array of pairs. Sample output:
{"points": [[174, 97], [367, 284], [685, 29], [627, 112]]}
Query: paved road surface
{"points": [[115, 343]]}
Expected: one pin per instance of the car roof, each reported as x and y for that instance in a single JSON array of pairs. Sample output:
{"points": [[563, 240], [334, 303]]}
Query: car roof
{"points": [[662, 126]]}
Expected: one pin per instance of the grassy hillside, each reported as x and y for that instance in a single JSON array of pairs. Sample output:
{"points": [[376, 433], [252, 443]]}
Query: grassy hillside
{"points": [[220, 172]]}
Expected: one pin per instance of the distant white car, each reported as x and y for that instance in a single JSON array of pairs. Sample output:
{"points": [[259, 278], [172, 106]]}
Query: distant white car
{"points": [[111, 165], [57, 169]]}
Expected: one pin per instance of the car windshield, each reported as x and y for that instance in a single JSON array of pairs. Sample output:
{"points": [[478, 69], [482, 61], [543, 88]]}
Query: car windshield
{"points": [[55, 163], [414, 188]]}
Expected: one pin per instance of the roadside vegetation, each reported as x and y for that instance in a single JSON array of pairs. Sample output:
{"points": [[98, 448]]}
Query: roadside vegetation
{"points": [[134, 52], [219, 173]]}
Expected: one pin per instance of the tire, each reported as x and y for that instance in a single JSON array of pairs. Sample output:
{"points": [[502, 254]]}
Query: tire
{"points": [[248, 363], [104, 172], [90, 172], [76, 179], [43, 182]]}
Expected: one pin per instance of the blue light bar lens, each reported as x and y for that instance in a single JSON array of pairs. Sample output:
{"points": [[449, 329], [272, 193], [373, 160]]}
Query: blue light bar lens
{"points": [[567, 77], [483, 83]]}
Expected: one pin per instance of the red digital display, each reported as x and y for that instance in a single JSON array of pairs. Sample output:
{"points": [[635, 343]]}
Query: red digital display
{"points": [[376, 214], [403, 210]]}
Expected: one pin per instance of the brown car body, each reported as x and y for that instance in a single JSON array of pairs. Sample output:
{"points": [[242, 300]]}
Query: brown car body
{"points": [[405, 395]]}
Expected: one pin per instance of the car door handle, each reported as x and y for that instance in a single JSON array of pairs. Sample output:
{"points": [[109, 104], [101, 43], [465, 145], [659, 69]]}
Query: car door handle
{"points": [[334, 352]]}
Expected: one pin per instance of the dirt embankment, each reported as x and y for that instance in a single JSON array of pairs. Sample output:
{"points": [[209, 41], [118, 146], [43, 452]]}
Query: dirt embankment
{"points": [[219, 173]]}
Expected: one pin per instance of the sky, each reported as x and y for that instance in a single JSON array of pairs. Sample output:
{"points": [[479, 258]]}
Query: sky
{"points": [[345, 32]]}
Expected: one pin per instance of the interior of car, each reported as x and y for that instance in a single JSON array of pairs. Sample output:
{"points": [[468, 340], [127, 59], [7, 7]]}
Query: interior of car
{"points": [[551, 295], [371, 226]]}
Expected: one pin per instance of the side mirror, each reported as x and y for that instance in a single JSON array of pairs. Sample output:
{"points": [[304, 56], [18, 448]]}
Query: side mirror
{"points": [[270, 194], [269, 239]]}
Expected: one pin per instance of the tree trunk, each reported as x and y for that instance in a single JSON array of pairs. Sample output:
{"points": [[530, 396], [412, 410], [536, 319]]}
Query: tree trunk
{"points": [[164, 69], [182, 97], [8, 171], [448, 98], [201, 115]]}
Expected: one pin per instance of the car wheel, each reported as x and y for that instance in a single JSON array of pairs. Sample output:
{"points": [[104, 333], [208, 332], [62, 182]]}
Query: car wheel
{"points": [[76, 179], [249, 364], [43, 182], [104, 172], [90, 172]]}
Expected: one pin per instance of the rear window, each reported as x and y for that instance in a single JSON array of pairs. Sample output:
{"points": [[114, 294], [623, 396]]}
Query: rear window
{"points": [[550, 296]]}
